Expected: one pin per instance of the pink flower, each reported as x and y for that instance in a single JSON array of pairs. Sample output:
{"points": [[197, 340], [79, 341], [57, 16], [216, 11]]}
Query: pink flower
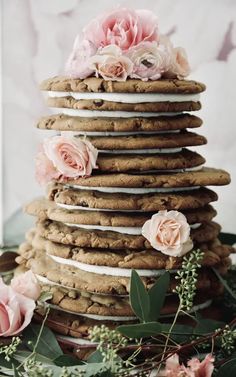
{"points": [[204, 368], [179, 63], [45, 170], [71, 156], [195, 368], [111, 64], [16, 311], [150, 60], [122, 27], [27, 285], [77, 65], [168, 232]]}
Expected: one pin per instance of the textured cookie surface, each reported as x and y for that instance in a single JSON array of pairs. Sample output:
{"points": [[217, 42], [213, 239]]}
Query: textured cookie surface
{"points": [[75, 278], [69, 235], [145, 202], [204, 177], [183, 139], [45, 209], [101, 105], [93, 84], [63, 122]]}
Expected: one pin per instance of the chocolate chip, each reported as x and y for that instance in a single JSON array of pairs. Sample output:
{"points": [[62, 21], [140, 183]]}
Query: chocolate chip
{"points": [[98, 103]]}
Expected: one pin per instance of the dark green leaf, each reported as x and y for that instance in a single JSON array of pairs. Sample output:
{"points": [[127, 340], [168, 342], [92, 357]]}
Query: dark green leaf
{"points": [[16, 374], [228, 369], [157, 296], [179, 333], [223, 281], [20, 356], [47, 345], [67, 361], [206, 326], [228, 238], [95, 357], [139, 298], [140, 330], [95, 369]]}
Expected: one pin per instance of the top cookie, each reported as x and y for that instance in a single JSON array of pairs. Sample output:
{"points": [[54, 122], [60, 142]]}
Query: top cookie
{"points": [[99, 85]]}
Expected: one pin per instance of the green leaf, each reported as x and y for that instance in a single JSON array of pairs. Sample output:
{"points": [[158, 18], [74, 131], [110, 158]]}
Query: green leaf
{"points": [[20, 356], [67, 361], [180, 333], [228, 369], [227, 238], [16, 374], [45, 296], [95, 357], [206, 326], [157, 296], [95, 369], [139, 298], [47, 345], [224, 282], [140, 330]]}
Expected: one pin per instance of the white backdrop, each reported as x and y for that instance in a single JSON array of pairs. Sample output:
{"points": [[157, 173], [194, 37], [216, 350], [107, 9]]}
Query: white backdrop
{"points": [[37, 38]]}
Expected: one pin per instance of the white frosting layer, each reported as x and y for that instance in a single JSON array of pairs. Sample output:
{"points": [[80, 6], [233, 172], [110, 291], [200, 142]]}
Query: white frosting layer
{"points": [[204, 305], [142, 151], [79, 341], [109, 114], [128, 97], [105, 270], [127, 190], [137, 231], [106, 133]]}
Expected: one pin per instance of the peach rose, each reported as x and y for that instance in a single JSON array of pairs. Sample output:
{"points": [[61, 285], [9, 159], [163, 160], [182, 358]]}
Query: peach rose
{"points": [[44, 168], [168, 232], [202, 368], [27, 285], [179, 63], [77, 65], [71, 156], [110, 64], [16, 311], [150, 60], [122, 27]]}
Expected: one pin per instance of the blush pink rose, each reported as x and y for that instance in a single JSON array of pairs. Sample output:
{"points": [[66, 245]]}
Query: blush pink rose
{"points": [[110, 64], [179, 67], [72, 157], [202, 368], [44, 168], [122, 27], [16, 311], [77, 65], [168, 232], [27, 285], [150, 60]]}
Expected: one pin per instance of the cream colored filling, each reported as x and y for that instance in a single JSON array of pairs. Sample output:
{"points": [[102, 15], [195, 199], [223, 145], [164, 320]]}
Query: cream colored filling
{"points": [[142, 151], [127, 97]]}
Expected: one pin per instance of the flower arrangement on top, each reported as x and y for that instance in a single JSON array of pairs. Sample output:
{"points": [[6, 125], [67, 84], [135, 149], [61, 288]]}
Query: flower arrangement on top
{"points": [[125, 44]]}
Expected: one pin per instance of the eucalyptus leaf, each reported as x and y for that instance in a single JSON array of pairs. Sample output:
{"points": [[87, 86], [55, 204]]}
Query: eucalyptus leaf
{"points": [[224, 282], [20, 356], [140, 330], [45, 296], [228, 369], [47, 345], [139, 298], [16, 374], [67, 361], [206, 326], [227, 238], [180, 333], [157, 295], [95, 369], [95, 357]]}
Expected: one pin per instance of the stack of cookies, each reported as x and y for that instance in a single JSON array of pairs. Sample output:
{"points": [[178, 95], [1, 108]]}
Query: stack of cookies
{"points": [[88, 235]]}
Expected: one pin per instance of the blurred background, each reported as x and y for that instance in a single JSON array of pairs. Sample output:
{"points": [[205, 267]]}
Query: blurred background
{"points": [[37, 36]]}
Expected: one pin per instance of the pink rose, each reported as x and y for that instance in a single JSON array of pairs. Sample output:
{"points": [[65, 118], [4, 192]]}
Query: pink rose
{"points": [[202, 369], [150, 60], [111, 64], [16, 311], [45, 170], [71, 156], [168, 232], [27, 285], [195, 368], [179, 63], [122, 27], [77, 65]]}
